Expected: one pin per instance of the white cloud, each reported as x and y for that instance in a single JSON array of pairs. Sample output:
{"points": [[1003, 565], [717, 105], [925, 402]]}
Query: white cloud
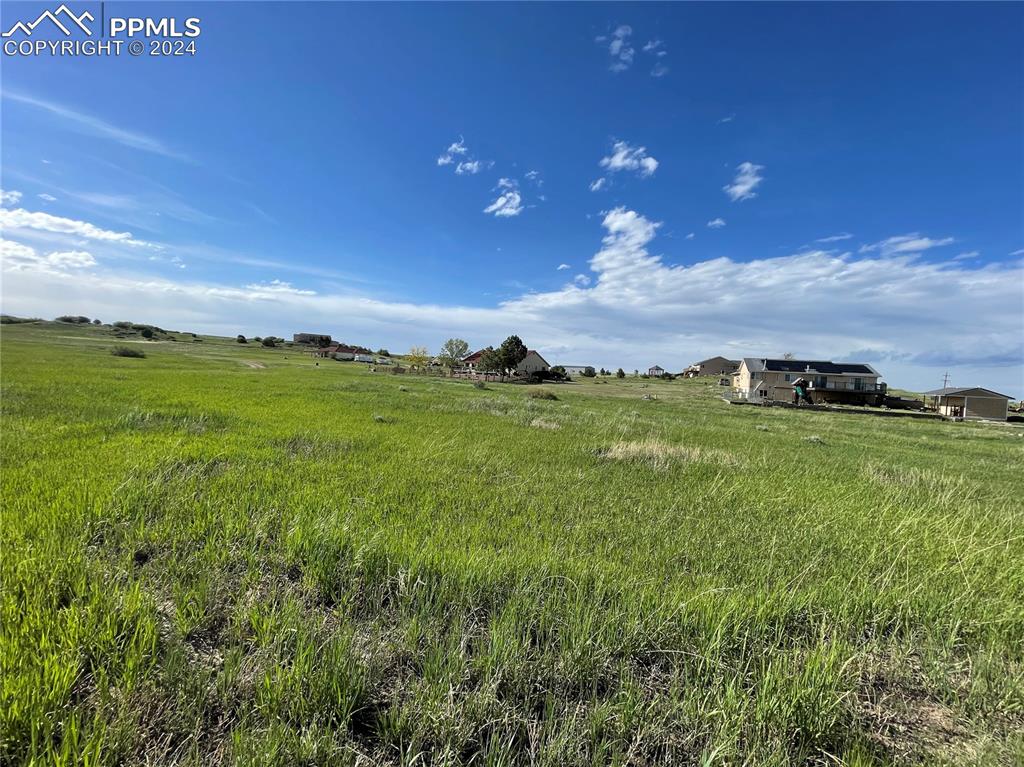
{"points": [[727, 119], [659, 70], [652, 45], [455, 149], [836, 237], [620, 49], [716, 223], [1019, 252], [277, 287], [563, 267], [509, 201], [534, 176], [629, 158], [905, 244], [47, 197], [18, 218], [470, 167], [9, 197], [967, 256], [905, 315], [748, 177], [691, 235], [17, 256], [94, 126], [581, 279], [599, 184]]}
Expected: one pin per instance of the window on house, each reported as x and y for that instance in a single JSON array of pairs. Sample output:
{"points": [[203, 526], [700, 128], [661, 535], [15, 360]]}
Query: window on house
{"points": [[788, 377]]}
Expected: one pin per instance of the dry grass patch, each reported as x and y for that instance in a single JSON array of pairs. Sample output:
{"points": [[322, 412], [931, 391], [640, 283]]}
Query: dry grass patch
{"points": [[540, 423], [662, 455]]}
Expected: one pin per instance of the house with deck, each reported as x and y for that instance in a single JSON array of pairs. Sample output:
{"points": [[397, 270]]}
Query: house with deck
{"points": [[771, 380]]}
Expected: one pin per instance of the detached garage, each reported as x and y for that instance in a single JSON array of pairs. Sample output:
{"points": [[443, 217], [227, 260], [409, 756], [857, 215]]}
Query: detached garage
{"points": [[971, 403]]}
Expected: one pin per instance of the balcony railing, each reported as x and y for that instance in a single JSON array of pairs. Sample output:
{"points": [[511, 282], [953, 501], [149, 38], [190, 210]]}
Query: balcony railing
{"points": [[862, 386]]}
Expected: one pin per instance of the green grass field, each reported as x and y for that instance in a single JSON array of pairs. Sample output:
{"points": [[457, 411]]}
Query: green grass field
{"points": [[224, 554]]}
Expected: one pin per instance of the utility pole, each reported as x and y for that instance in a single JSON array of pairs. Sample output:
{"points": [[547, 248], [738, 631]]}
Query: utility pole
{"points": [[945, 381]]}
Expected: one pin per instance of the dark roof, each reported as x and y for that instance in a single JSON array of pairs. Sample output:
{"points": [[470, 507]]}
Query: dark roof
{"points": [[823, 367], [474, 356], [712, 359], [538, 354], [954, 390]]}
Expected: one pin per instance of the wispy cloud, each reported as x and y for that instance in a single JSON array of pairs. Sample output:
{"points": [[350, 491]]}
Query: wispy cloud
{"points": [[971, 254], [534, 176], [455, 149], [18, 218], [906, 244], [94, 126], [716, 223], [748, 178], [46, 197], [620, 49], [836, 237], [691, 235], [625, 157], [469, 167], [652, 46], [659, 70], [727, 119], [9, 197], [509, 201], [563, 267], [277, 287], [599, 184], [1019, 252]]}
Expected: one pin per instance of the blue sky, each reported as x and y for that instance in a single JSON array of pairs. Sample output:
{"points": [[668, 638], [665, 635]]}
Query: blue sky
{"points": [[301, 172]]}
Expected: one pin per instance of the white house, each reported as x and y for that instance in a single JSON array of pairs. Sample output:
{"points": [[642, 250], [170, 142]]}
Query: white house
{"points": [[655, 371], [531, 363], [765, 380]]}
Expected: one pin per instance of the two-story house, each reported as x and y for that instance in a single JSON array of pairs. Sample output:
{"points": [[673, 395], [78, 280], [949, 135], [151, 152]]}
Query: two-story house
{"points": [[766, 380]]}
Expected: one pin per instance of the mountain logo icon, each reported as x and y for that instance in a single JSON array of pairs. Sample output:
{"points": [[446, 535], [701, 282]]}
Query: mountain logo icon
{"points": [[63, 12]]}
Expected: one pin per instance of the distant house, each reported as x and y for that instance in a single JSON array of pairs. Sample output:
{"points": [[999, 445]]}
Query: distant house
{"points": [[766, 380], [575, 370], [532, 363], [713, 366], [317, 339], [473, 359], [970, 402], [655, 371], [363, 358]]}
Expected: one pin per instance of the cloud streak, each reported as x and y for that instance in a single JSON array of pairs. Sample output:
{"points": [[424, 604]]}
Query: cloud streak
{"points": [[94, 126]]}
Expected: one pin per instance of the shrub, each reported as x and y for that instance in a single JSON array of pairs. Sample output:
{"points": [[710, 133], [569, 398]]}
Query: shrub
{"points": [[9, 319], [123, 325], [241, 339], [269, 341], [147, 333], [124, 351], [479, 385], [541, 394], [97, 322], [589, 372], [78, 319], [620, 373]]}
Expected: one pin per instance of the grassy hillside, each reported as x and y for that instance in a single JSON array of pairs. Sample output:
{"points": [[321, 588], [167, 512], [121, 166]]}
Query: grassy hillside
{"points": [[225, 554]]}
